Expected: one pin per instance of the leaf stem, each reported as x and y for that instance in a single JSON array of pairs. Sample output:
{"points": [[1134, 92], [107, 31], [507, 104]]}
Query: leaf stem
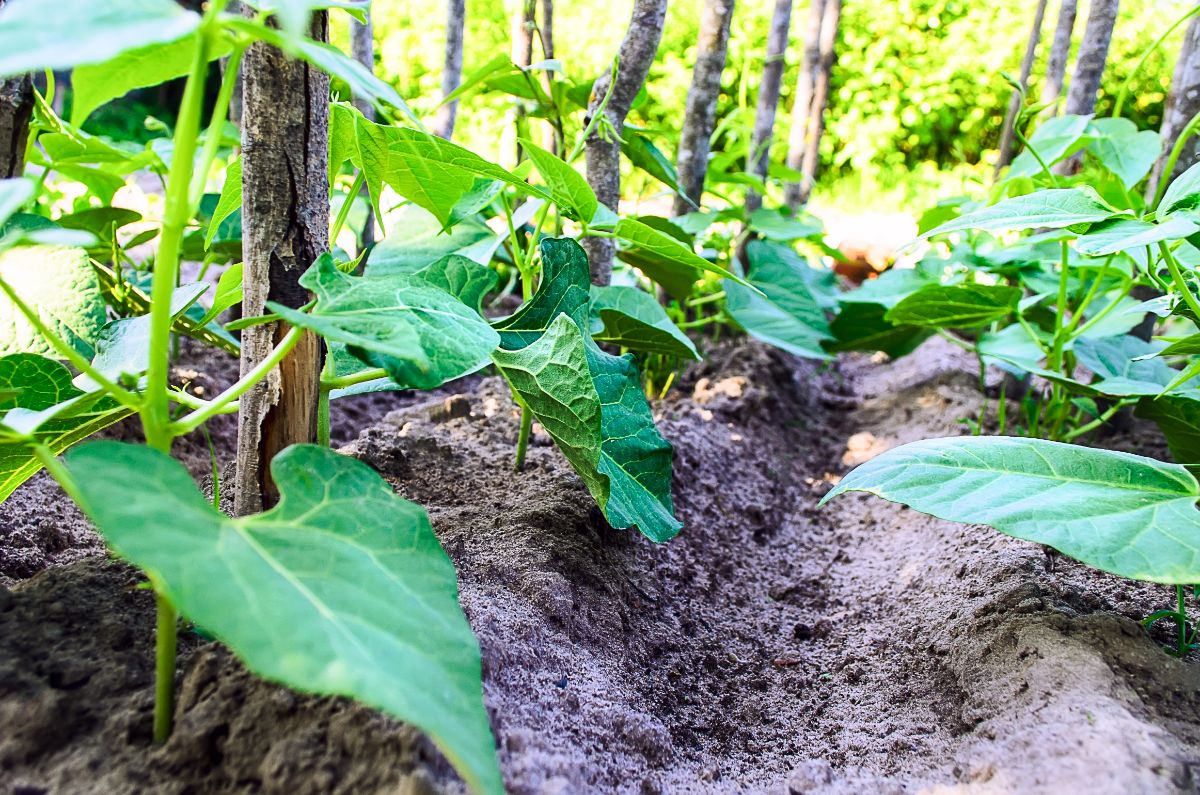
{"points": [[220, 112], [123, 396], [1096, 423], [1180, 281], [347, 204], [331, 383], [523, 438], [243, 385], [1123, 94], [165, 635]]}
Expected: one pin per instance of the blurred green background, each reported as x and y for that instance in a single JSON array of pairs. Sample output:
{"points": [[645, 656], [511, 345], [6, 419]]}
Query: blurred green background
{"points": [[917, 102]]}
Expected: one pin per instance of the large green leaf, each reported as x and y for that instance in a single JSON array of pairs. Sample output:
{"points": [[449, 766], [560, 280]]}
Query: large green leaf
{"points": [[123, 346], [463, 278], [34, 36], [784, 311], [41, 384], [564, 289], [427, 170], [568, 187], [57, 283], [1182, 195], [1124, 234], [773, 224], [422, 335], [1124, 150], [13, 195], [95, 84], [591, 403], [593, 407], [341, 589], [955, 306], [668, 250], [1178, 417], [890, 287], [632, 319], [1118, 512], [1054, 209]]}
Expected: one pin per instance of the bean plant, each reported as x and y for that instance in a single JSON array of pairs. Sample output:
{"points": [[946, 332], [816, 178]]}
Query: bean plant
{"points": [[1058, 280], [342, 587]]}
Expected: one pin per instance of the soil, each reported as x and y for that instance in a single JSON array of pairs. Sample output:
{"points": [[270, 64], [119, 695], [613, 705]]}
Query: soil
{"points": [[772, 647]]}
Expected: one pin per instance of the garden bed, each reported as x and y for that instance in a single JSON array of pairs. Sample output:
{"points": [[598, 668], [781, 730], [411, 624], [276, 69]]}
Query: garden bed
{"points": [[772, 647]]}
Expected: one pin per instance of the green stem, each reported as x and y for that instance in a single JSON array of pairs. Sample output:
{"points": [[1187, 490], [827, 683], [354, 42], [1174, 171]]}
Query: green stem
{"points": [[156, 419], [523, 438], [60, 473], [341, 382], [244, 384], [1180, 281], [950, 337], [327, 371], [591, 125], [1096, 423], [1164, 177], [166, 627], [347, 203], [719, 295], [1064, 276], [1123, 94], [1181, 611], [216, 124]]}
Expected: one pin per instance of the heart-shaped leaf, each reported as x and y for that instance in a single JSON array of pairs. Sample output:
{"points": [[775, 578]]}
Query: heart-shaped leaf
{"points": [[341, 589], [421, 334], [1121, 513], [632, 319]]}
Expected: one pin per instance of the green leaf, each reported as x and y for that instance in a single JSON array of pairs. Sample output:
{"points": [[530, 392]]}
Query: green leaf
{"points": [[1115, 362], [34, 37], [861, 327], [642, 152], [633, 319], [1124, 150], [228, 294], [341, 589], [1010, 349], [1123, 234], [592, 405], [1182, 195], [41, 384], [775, 225], [230, 200], [890, 287], [94, 85], [57, 283], [123, 347], [427, 170], [1178, 417], [420, 334], [1054, 139], [566, 185], [669, 252], [417, 239], [1054, 209], [463, 278], [564, 289], [1121, 513], [955, 306], [783, 311], [500, 64]]}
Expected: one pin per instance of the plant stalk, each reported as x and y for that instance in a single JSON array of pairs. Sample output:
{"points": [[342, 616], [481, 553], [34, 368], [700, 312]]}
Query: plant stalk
{"points": [[523, 438]]}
